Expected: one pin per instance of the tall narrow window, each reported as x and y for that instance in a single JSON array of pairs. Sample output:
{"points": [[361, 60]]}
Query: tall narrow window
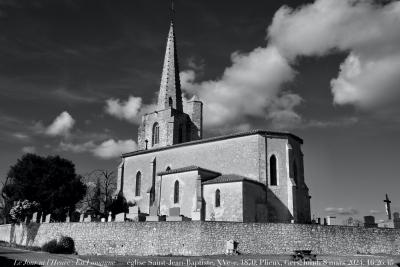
{"points": [[156, 134], [138, 183], [170, 102], [217, 198], [176, 192], [272, 170], [295, 171]]}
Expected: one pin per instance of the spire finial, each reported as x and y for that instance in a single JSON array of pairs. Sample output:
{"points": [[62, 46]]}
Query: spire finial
{"points": [[172, 10]]}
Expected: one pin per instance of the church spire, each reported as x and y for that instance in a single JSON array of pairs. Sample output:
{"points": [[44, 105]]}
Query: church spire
{"points": [[170, 94]]}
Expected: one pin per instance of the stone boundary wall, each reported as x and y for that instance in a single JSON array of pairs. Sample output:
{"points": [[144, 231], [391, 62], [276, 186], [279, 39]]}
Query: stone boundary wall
{"points": [[206, 238]]}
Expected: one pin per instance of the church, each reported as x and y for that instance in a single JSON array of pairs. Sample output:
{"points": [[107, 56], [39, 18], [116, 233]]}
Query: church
{"points": [[176, 174]]}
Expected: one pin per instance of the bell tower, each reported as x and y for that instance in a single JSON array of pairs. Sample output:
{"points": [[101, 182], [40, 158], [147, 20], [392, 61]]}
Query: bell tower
{"points": [[172, 123]]}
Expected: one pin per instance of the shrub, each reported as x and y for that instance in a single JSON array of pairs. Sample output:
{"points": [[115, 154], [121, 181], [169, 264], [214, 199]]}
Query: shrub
{"points": [[64, 245], [50, 246]]}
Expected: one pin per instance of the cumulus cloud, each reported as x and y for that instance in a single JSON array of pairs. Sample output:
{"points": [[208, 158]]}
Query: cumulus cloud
{"points": [[130, 110], [341, 211], [77, 148], [61, 126], [368, 31], [107, 149], [250, 87], [254, 85], [112, 148]]}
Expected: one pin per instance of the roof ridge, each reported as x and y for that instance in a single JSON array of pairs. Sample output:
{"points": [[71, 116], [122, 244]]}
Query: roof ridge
{"points": [[216, 138]]}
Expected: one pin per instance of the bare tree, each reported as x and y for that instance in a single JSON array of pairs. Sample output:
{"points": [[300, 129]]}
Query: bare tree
{"points": [[101, 185]]}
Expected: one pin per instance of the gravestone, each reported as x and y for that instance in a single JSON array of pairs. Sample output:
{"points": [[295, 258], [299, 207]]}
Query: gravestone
{"points": [[48, 218], [175, 211], [330, 220], [34, 217], [231, 247], [369, 221], [88, 218], [109, 217], [133, 214], [103, 219], [153, 215], [67, 219], [174, 215], [134, 210], [120, 217], [82, 217]]}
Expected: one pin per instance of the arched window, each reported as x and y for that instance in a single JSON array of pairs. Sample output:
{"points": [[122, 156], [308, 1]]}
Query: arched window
{"points": [[272, 170], [156, 134], [176, 192], [138, 183], [170, 102], [217, 198]]}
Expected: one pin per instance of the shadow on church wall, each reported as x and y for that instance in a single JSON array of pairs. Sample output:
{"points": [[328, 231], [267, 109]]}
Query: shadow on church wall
{"points": [[277, 210]]}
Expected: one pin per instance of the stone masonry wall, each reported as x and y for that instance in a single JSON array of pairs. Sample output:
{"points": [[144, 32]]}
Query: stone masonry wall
{"points": [[207, 238]]}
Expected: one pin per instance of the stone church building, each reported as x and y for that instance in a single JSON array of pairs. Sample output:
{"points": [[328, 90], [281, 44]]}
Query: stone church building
{"points": [[176, 174]]}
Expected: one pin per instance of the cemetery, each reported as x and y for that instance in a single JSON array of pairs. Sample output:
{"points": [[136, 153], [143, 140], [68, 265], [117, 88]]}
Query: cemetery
{"points": [[127, 235]]}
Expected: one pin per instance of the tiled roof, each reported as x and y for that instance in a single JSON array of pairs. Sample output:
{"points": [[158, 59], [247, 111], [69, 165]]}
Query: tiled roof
{"points": [[230, 178], [218, 138], [186, 169]]}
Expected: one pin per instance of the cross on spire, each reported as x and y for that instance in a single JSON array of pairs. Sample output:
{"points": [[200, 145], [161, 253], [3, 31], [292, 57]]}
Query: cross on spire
{"points": [[387, 206], [172, 10]]}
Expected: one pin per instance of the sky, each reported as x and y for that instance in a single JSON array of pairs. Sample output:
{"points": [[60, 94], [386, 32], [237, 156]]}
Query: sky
{"points": [[75, 77]]}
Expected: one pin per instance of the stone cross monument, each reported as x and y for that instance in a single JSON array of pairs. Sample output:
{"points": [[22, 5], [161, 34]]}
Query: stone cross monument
{"points": [[387, 206]]}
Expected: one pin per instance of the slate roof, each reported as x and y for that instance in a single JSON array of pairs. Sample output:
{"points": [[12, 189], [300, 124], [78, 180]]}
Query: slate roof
{"points": [[218, 138], [230, 178], [186, 169]]}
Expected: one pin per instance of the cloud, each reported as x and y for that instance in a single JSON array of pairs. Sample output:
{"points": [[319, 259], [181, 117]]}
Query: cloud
{"points": [[28, 149], [196, 64], [107, 149], [77, 148], [21, 136], [339, 122], [112, 148], [73, 97], [130, 110], [250, 87], [341, 211], [367, 31], [61, 126], [375, 212]]}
